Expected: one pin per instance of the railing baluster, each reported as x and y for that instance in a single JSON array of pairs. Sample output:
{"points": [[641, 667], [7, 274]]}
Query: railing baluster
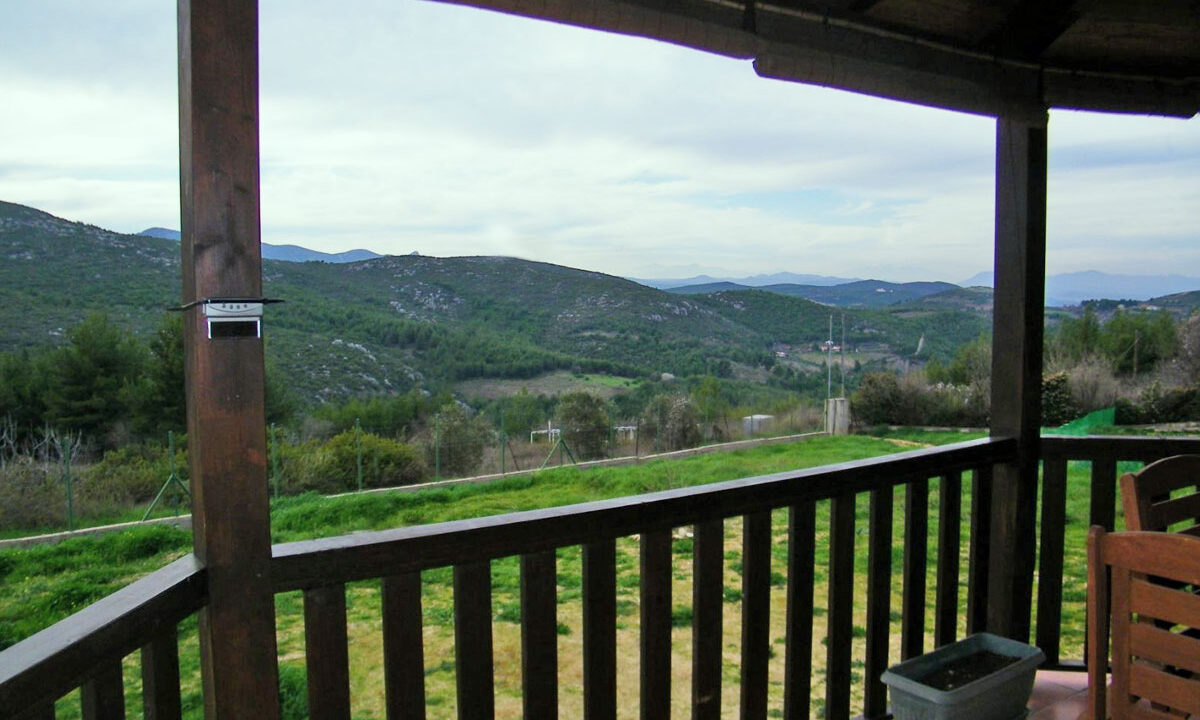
{"points": [[916, 551], [1050, 567], [1104, 492], [707, 598], [103, 696], [945, 627], [879, 600], [160, 676], [326, 652], [600, 630], [403, 647], [473, 641], [756, 613], [656, 625], [797, 680], [981, 530], [841, 608], [539, 635]]}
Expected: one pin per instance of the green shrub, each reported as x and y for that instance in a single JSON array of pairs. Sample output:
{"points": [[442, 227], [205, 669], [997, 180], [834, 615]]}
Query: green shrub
{"points": [[459, 440], [887, 399], [1156, 405], [584, 420], [673, 421], [32, 495], [332, 466], [132, 474], [1058, 404]]}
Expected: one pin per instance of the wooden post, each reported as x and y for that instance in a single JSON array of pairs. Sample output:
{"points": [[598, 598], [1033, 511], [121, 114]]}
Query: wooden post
{"points": [[1020, 266], [219, 189]]}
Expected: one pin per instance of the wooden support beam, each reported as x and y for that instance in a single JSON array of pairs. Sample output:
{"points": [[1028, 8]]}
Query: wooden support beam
{"points": [[221, 257], [1020, 266], [1031, 27]]}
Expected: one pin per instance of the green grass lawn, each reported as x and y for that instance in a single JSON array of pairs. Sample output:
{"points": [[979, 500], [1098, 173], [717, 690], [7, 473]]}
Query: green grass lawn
{"points": [[39, 586]]}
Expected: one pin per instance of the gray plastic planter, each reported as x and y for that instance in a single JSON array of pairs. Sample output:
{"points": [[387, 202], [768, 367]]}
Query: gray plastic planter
{"points": [[1001, 695]]}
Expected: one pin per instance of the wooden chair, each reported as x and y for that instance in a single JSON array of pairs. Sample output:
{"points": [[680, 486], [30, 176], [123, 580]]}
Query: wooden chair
{"points": [[1155, 669], [1146, 496]]}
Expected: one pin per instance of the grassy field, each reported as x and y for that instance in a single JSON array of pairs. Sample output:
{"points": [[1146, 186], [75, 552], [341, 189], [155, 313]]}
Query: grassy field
{"points": [[41, 585], [550, 384]]}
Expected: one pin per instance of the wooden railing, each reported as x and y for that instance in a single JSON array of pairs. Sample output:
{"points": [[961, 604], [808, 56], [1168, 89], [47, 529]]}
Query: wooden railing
{"points": [[1103, 454], [86, 649]]}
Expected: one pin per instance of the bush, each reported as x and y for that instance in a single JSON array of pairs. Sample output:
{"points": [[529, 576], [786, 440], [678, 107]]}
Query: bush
{"points": [[1156, 405], [459, 441], [332, 467], [31, 495], [583, 420], [885, 399], [133, 474], [1058, 404], [673, 421]]}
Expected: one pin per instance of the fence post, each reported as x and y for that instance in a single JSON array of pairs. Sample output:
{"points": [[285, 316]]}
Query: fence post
{"points": [[70, 488], [358, 452], [275, 460]]}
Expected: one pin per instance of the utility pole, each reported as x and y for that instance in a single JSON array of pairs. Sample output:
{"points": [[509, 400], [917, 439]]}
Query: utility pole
{"points": [[829, 362]]}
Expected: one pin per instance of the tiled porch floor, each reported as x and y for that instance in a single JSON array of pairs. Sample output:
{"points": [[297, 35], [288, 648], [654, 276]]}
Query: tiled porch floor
{"points": [[1058, 695]]}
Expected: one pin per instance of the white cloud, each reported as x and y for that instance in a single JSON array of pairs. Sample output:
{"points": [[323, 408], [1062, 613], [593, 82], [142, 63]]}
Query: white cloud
{"points": [[448, 130]]}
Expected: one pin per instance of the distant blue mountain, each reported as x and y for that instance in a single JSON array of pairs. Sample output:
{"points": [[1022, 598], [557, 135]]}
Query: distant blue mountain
{"points": [[780, 278], [287, 253], [1074, 288]]}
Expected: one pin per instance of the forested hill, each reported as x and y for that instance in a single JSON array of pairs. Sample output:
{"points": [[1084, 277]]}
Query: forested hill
{"points": [[402, 321]]}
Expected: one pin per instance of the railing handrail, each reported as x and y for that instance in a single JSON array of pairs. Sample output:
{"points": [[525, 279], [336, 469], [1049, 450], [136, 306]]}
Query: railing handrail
{"points": [[311, 563], [54, 661], [1122, 447]]}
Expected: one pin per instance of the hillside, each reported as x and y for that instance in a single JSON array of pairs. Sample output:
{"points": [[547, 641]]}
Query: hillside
{"points": [[856, 294], [290, 253], [397, 322]]}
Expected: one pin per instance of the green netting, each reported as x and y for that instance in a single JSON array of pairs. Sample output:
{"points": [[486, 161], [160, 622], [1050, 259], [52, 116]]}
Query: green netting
{"points": [[1083, 425]]}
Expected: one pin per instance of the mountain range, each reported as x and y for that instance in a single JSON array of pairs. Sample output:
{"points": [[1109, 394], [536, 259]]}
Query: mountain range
{"points": [[1062, 290], [287, 253], [397, 322]]}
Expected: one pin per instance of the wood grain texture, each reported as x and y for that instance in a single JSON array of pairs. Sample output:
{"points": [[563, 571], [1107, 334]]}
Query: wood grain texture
{"points": [[879, 600], [403, 647], [473, 658], [160, 677], [655, 563], [539, 635], [600, 630], [756, 614], [945, 629], [326, 652], [979, 549], [1017, 339], [707, 606], [102, 697], [916, 550], [840, 608], [221, 257], [1050, 558], [797, 674], [54, 661]]}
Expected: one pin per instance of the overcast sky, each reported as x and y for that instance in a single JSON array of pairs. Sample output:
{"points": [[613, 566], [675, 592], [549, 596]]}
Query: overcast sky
{"points": [[398, 125]]}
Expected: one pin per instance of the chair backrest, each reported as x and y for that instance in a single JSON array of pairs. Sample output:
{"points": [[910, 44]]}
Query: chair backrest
{"points": [[1147, 496], [1155, 660]]}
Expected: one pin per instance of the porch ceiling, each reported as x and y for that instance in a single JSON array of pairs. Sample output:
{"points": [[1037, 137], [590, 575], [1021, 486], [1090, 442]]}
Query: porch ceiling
{"points": [[993, 57]]}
